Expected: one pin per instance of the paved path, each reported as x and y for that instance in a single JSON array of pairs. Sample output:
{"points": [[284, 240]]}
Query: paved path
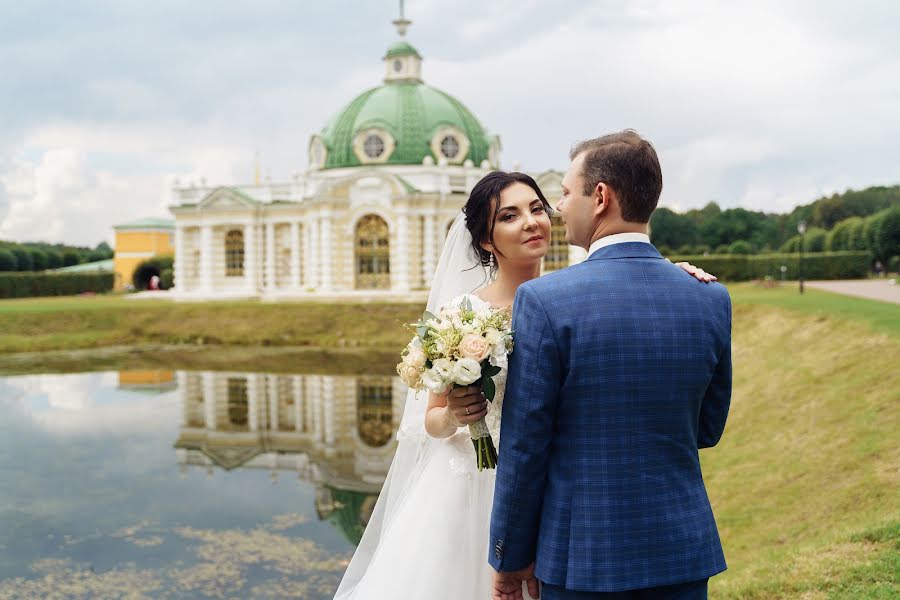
{"points": [[873, 289]]}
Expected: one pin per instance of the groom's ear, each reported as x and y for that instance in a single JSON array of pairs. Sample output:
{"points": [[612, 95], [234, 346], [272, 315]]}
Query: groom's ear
{"points": [[601, 197]]}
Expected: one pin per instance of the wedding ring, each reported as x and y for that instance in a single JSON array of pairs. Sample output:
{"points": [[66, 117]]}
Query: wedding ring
{"points": [[467, 410]]}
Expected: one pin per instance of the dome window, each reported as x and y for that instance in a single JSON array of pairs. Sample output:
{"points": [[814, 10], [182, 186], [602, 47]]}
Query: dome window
{"points": [[373, 146], [449, 147], [398, 65]]}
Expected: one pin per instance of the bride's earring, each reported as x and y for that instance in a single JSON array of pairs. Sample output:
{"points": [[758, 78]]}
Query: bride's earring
{"points": [[491, 261]]}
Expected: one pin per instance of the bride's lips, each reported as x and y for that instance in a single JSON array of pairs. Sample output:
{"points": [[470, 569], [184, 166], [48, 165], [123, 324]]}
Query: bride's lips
{"points": [[535, 238]]}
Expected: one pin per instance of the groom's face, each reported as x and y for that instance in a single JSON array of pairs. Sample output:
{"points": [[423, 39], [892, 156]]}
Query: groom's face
{"points": [[576, 208]]}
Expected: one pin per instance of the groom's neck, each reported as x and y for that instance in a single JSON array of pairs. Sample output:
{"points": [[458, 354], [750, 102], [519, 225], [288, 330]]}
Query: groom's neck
{"points": [[607, 229]]}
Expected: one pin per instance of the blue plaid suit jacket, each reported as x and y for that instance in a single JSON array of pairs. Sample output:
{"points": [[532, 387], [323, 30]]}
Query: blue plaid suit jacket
{"points": [[621, 371]]}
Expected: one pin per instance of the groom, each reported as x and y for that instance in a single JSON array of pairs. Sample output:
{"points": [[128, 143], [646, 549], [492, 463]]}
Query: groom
{"points": [[621, 372]]}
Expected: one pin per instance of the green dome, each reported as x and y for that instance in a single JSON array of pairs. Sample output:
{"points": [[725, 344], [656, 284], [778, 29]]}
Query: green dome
{"points": [[402, 49], [412, 113]]}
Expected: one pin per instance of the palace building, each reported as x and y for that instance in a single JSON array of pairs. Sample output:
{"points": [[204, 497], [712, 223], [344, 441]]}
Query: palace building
{"points": [[367, 218]]}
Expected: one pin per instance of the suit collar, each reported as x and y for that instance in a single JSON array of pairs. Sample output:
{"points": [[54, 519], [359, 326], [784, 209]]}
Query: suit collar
{"points": [[626, 250]]}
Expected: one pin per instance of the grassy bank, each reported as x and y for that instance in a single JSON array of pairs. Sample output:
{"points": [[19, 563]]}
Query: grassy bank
{"points": [[37, 325], [806, 481]]}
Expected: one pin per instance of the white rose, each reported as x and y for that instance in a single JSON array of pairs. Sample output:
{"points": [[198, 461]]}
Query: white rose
{"points": [[443, 368], [415, 358], [433, 382], [493, 336], [466, 371], [474, 347], [409, 374]]}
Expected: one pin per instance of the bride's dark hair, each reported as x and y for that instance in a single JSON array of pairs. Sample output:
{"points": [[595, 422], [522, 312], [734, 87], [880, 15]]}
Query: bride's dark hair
{"points": [[484, 201]]}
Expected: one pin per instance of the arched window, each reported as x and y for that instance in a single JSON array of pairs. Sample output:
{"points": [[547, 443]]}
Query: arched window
{"points": [[373, 254], [238, 404], [234, 253], [374, 411], [558, 255]]}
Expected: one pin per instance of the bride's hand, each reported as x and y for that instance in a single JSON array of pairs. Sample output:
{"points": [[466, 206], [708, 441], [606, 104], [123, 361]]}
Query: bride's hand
{"points": [[466, 405], [697, 272]]}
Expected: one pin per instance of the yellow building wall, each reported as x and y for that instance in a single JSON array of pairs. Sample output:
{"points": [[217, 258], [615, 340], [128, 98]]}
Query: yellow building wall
{"points": [[134, 247], [138, 378]]}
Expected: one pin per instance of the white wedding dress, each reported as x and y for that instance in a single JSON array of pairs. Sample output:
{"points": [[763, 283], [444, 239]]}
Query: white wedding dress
{"points": [[429, 533]]}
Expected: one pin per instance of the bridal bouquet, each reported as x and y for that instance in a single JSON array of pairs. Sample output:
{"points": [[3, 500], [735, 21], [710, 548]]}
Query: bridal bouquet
{"points": [[459, 347]]}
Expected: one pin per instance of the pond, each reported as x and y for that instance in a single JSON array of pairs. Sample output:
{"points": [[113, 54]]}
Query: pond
{"points": [[188, 484]]}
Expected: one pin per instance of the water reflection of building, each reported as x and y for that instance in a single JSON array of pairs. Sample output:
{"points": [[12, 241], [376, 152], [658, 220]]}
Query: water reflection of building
{"points": [[336, 432], [147, 381]]}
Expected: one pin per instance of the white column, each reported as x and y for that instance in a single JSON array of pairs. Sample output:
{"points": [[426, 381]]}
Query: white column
{"points": [[206, 258], [295, 255], [325, 244], [400, 255], [209, 399], [315, 397], [250, 261], [270, 256], [298, 402], [273, 402], [181, 397], [428, 262], [254, 391], [306, 280], [181, 259], [312, 256], [328, 405]]}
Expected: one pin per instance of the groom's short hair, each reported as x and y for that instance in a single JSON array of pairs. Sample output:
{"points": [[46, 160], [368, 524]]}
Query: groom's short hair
{"points": [[628, 163]]}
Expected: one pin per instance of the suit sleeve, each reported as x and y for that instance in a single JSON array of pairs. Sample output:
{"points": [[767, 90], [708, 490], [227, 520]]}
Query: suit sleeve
{"points": [[714, 410], [529, 413]]}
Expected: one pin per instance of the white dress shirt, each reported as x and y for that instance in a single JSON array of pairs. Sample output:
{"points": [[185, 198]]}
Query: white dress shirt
{"points": [[618, 238]]}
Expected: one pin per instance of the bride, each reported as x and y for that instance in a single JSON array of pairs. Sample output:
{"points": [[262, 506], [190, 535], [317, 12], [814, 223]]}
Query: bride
{"points": [[428, 535]]}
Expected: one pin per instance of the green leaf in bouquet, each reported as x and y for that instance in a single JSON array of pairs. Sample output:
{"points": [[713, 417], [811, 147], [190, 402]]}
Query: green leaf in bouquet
{"points": [[427, 316], [490, 370], [490, 390]]}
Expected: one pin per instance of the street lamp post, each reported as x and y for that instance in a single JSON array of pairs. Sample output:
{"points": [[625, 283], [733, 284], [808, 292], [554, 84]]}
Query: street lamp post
{"points": [[801, 229]]}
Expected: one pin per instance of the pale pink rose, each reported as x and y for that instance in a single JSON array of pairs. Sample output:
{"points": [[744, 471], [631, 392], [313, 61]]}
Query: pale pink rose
{"points": [[474, 347], [415, 358], [409, 374]]}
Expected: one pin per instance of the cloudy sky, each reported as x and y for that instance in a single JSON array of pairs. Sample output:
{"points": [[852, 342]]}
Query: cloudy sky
{"points": [[103, 103]]}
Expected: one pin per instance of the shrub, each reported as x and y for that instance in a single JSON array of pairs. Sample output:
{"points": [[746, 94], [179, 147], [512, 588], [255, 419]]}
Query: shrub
{"points": [[23, 259], [740, 247], [38, 259], [821, 265], [25, 285], [54, 259], [70, 258], [8, 260]]}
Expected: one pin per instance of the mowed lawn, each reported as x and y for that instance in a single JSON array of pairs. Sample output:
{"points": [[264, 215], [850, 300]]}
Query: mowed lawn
{"points": [[805, 482]]}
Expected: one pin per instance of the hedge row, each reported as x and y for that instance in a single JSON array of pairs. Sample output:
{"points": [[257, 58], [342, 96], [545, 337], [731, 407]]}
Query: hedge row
{"points": [[819, 265], [27, 285]]}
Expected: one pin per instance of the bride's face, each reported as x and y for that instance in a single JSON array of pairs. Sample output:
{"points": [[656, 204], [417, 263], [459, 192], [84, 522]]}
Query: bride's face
{"points": [[521, 226]]}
